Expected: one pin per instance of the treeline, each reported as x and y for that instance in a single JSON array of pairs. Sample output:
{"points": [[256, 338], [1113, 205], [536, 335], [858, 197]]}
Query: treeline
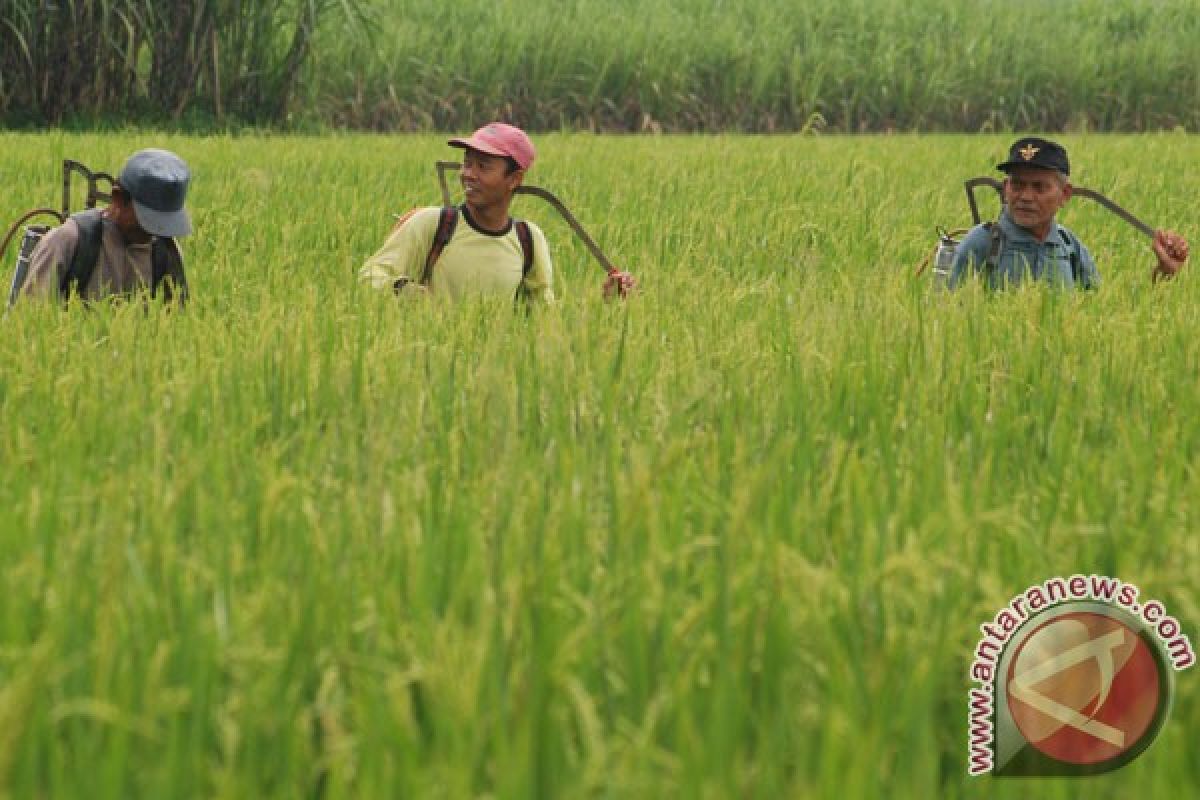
{"points": [[111, 59], [613, 65]]}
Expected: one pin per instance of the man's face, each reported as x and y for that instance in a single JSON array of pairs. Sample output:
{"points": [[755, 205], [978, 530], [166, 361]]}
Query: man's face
{"points": [[485, 179], [1034, 195], [121, 212]]}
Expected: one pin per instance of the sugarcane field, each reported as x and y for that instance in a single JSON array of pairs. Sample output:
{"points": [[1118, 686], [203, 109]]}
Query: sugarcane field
{"points": [[638, 400]]}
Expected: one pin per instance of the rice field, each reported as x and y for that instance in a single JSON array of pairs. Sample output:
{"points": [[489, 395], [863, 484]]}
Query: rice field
{"points": [[734, 537]]}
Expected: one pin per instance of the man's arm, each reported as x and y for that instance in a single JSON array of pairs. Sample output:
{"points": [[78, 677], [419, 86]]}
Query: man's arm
{"points": [[970, 255], [49, 261], [1171, 250], [402, 257]]}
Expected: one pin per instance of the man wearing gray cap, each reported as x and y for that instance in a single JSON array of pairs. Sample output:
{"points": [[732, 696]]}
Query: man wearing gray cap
{"points": [[123, 249]]}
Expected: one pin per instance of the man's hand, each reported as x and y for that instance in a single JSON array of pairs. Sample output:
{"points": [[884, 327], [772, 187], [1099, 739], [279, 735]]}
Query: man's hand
{"points": [[1171, 250], [619, 283], [408, 287]]}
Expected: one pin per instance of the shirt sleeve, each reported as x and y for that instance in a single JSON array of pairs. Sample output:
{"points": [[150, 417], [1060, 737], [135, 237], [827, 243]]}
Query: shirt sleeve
{"points": [[539, 283], [49, 261], [971, 254], [404, 251]]}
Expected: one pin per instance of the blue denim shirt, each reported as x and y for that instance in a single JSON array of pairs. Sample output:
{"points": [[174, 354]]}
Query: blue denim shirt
{"points": [[1061, 260]]}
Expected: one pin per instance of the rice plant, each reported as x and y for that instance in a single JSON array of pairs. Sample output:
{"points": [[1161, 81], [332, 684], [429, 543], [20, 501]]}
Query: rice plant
{"points": [[732, 538]]}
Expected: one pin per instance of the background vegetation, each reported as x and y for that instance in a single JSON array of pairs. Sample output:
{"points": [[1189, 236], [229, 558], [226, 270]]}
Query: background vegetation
{"points": [[733, 538], [79, 60], [613, 65]]}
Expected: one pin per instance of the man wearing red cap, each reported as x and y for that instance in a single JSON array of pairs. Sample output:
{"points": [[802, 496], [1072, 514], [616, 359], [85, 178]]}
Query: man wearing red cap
{"points": [[491, 253]]}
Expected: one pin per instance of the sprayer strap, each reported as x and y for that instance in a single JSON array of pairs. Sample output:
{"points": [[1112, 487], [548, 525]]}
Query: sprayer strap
{"points": [[526, 239], [87, 253], [167, 275], [447, 222], [997, 244]]}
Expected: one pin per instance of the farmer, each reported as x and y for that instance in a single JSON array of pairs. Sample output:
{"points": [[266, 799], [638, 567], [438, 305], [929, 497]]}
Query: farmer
{"points": [[125, 248], [491, 253], [1027, 242]]}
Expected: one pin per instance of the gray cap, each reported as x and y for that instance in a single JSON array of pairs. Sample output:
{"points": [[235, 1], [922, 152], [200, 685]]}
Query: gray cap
{"points": [[157, 180]]}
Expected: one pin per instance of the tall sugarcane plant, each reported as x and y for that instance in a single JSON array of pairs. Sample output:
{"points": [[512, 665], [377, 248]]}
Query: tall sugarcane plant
{"points": [[60, 58]]}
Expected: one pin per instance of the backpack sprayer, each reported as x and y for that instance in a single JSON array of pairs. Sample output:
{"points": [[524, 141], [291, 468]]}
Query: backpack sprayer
{"points": [[34, 233], [948, 241], [564, 212]]}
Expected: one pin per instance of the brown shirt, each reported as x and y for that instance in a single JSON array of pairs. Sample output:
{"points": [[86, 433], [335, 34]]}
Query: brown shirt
{"points": [[122, 268]]}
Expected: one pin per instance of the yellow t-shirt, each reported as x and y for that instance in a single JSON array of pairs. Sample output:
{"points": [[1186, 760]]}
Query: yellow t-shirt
{"points": [[474, 261]]}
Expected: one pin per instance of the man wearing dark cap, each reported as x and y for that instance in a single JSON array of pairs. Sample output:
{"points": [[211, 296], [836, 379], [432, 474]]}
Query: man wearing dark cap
{"points": [[125, 248], [1027, 242], [490, 253]]}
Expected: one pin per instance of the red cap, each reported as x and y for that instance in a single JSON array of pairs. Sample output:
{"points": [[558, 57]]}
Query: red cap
{"points": [[500, 139]]}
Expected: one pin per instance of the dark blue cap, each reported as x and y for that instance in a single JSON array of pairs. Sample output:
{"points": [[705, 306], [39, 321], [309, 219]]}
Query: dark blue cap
{"points": [[157, 180], [1034, 152]]}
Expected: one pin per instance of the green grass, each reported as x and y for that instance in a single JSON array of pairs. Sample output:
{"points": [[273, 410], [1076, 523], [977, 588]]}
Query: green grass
{"points": [[733, 538]]}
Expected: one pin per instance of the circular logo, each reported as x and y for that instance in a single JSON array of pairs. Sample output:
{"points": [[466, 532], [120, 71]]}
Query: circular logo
{"points": [[1087, 688]]}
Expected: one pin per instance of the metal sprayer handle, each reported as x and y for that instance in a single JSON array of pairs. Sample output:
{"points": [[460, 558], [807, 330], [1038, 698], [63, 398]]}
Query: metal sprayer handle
{"points": [[93, 178], [1091, 194]]}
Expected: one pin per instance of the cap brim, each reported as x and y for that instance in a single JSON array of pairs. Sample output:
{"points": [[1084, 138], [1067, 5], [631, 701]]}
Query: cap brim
{"points": [[474, 144], [162, 223], [1009, 165]]}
